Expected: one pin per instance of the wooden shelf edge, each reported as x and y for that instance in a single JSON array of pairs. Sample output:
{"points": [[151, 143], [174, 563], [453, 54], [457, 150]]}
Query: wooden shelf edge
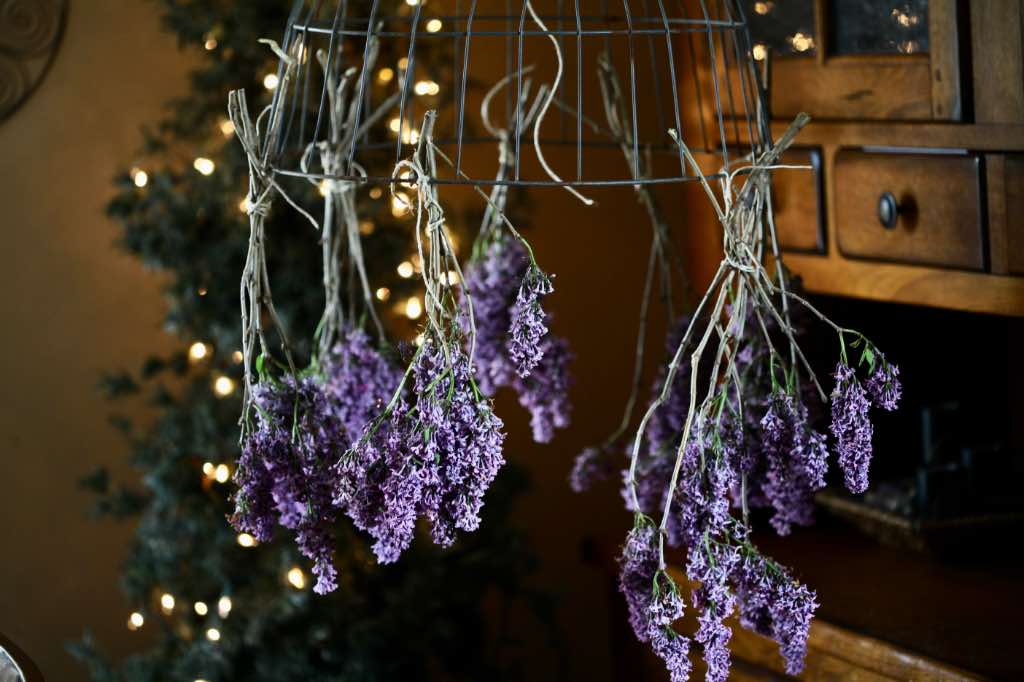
{"points": [[978, 137], [834, 652], [976, 292]]}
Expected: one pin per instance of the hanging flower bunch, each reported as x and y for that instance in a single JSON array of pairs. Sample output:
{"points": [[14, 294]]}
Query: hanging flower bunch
{"points": [[731, 426]]}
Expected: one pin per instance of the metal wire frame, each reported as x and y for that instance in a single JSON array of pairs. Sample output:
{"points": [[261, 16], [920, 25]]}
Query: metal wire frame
{"points": [[689, 68]]}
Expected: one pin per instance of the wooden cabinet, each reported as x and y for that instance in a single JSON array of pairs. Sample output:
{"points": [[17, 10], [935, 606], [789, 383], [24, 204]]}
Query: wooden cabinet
{"points": [[933, 117]]}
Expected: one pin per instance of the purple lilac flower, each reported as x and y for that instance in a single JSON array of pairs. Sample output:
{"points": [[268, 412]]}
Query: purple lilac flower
{"points": [[492, 280], [852, 428], [589, 467], [795, 460], [459, 439], [545, 393], [884, 386], [358, 382], [653, 600], [527, 325], [284, 474], [776, 606]]}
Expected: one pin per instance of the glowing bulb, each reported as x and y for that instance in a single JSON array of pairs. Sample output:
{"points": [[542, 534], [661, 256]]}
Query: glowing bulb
{"points": [[760, 52], [413, 308], [270, 81], [210, 43], [410, 136], [236, 357], [433, 26], [139, 177], [324, 188], [222, 473], [376, 192], [199, 680], [213, 634], [413, 3], [224, 607], [167, 602], [223, 386], [385, 75], [204, 165], [209, 469], [426, 88], [395, 124], [296, 578], [405, 269], [244, 205], [366, 227], [801, 42], [202, 291], [198, 350], [227, 128], [246, 540], [418, 341], [201, 608], [135, 620], [403, 63], [399, 205], [383, 294], [763, 7], [453, 277]]}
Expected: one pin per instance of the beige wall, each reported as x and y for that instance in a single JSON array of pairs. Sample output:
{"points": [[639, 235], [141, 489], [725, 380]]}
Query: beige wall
{"points": [[72, 306]]}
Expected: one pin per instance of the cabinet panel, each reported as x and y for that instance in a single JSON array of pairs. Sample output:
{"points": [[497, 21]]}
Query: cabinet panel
{"points": [[911, 208]]}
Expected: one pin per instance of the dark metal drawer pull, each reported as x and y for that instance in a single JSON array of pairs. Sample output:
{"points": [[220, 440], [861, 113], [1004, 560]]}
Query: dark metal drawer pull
{"points": [[888, 210]]}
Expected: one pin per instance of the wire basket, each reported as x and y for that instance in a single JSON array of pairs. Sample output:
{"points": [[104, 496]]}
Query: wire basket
{"points": [[567, 88]]}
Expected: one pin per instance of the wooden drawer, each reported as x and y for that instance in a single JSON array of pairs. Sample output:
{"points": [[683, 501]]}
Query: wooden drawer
{"points": [[797, 200], [939, 219]]}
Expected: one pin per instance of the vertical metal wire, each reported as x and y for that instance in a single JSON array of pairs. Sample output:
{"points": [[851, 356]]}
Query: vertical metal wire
{"points": [[364, 74], [696, 80], [410, 72], [714, 80], [726, 68], [579, 92], [330, 59], [655, 76], [462, 97], [740, 50], [632, 89], [519, 85], [675, 88]]}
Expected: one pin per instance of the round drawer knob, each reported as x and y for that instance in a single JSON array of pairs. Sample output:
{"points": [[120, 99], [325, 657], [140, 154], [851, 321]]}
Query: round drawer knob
{"points": [[888, 210]]}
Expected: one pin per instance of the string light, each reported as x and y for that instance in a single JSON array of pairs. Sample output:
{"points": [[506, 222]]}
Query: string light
{"points": [[209, 469], [244, 205], [210, 43], [801, 42], [385, 75], [198, 350], [405, 269], [410, 136], [223, 386], [270, 81], [453, 277], [204, 165], [403, 63], [760, 52], [366, 227], [383, 294], [433, 26], [227, 128], [413, 308], [418, 341], [236, 357], [201, 608], [202, 291], [296, 578], [139, 177], [246, 540], [135, 620], [224, 607], [399, 204], [376, 192], [167, 602], [213, 634], [413, 3], [763, 7], [426, 88], [395, 124], [222, 473]]}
